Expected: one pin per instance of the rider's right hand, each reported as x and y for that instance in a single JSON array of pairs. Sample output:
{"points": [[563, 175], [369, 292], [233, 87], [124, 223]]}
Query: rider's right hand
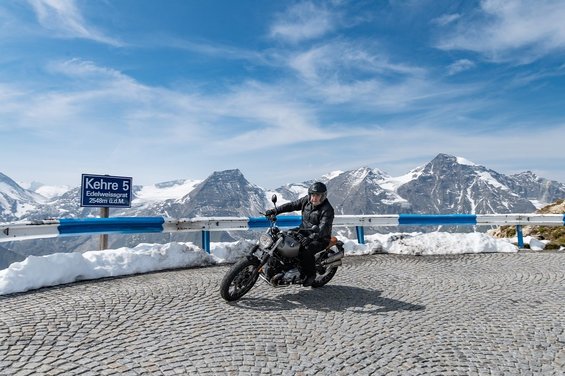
{"points": [[270, 212]]}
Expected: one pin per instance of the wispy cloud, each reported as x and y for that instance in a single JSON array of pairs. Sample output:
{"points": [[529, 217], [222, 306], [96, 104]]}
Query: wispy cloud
{"points": [[65, 19], [347, 60], [446, 19], [460, 66], [518, 30], [364, 76], [303, 21], [212, 49], [311, 84], [84, 69], [96, 99]]}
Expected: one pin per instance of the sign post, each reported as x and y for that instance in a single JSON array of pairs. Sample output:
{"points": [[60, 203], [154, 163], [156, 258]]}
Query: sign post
{"points": [[105, 192], [104, 213]]}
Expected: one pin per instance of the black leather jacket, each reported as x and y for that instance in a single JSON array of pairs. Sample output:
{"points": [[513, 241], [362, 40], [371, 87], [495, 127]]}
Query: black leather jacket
{"points": [[321, 216]]}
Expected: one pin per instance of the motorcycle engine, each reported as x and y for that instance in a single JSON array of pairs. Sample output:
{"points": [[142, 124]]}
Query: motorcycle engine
{"points": [[291, 276]]}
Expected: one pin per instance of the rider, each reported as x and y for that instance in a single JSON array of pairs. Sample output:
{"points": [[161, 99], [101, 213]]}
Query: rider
{"points": [[316, 211]]}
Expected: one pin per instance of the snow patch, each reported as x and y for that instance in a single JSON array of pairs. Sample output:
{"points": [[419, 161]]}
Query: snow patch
{"points": [[466, 162], [332, 175], [59, 268], [393, 183], [489, 179], [152, 193]]}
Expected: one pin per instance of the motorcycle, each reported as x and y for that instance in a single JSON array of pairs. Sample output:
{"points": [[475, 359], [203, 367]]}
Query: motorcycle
{"points": [[275, 260]]}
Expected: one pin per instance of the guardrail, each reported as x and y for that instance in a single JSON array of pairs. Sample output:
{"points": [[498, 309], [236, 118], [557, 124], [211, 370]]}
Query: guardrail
{"points": [[131, 225]]}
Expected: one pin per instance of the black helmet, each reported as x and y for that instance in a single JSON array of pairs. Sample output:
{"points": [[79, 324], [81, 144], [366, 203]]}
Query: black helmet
{"points": [[320, 188]]}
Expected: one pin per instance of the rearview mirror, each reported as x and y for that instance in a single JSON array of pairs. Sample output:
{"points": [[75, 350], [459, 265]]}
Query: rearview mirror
{"points": [[274, 199]]}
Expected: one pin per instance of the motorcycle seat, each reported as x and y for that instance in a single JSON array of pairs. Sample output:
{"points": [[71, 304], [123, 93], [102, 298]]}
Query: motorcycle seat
{"points": [[333, 241]]}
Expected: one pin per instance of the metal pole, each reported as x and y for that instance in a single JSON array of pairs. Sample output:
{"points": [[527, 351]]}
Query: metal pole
{"points": [[360, 234], [206, 240], [104, 213], [520, 236]]}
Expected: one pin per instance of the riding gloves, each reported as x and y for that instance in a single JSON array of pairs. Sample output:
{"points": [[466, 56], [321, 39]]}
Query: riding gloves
{"points": [[305, 242]]}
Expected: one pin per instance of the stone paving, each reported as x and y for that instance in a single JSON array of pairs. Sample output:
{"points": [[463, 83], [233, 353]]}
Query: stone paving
{"points": [[487, 314]]}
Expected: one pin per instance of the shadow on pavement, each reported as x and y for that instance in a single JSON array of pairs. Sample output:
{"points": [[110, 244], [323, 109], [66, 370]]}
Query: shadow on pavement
{"points": [[330, 298]]}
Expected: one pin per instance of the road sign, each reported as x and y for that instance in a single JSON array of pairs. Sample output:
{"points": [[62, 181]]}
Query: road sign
{"points": [[105, 191]]}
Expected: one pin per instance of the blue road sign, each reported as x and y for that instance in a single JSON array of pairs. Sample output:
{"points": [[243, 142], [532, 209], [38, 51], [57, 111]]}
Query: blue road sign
{"points": [[105, 191]]}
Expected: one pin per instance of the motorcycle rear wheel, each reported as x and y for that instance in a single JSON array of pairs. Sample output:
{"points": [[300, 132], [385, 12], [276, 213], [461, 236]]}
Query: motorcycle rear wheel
{"points": [[239, 279], [324, 275], [322, 279]]}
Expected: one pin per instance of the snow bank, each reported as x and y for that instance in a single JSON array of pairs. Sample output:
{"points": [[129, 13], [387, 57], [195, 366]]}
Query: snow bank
{"points": [[59, 268]]}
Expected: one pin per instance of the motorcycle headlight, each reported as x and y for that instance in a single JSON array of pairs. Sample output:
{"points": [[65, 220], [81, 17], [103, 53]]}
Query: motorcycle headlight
{"points": [[265, 241]]}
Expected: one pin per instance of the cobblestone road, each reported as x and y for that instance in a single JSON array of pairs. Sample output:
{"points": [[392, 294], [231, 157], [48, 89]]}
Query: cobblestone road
{"points": [[488, 314]]}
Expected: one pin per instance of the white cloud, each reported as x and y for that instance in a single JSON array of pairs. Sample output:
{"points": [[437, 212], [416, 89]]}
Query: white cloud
{"points": [[348, 60], [511, 30], [210, 48], [460, 66], [303, 21], [85, 69], [248, 116], [348, 72], [64, 18], [446, 19]]}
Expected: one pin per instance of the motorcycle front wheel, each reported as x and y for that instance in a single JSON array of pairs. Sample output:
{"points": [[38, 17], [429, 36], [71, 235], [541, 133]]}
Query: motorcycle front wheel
{"points": [[239, 279]]}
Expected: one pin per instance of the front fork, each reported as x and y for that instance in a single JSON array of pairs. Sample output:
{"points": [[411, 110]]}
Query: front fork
{"points": [[262, 261]]}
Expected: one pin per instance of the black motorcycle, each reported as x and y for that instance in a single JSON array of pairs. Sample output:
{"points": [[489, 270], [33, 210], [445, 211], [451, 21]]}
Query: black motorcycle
{"points": [[275, 259]]}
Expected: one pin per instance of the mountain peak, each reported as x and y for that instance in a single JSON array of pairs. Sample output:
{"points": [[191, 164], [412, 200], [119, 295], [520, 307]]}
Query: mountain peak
{"points": [[7, 180], [233, 172], [226, 193], [445, 157], [15, 200], [450, 184], [526, 175]]}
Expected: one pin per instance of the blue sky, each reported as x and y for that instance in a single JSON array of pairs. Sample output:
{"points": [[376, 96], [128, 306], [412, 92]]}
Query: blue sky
{"points": [[283, 90]]}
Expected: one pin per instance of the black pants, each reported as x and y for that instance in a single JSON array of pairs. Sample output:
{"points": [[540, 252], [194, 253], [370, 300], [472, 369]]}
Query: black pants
{"points": [[306, 256]]}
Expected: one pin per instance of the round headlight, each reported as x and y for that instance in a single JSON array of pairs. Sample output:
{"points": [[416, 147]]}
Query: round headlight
{"points": [[265, 241]]}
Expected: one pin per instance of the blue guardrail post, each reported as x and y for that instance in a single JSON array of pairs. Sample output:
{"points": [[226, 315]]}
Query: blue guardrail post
{"points": [[520, 236], [206, 241], [360, 234]]}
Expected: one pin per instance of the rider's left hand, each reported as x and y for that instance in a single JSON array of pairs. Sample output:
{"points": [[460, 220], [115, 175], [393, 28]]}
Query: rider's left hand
{"points": [[305, 241]]}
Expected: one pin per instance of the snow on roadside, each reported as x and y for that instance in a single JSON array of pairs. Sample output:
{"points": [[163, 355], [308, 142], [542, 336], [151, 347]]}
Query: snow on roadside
{"points": [[60, 268]]}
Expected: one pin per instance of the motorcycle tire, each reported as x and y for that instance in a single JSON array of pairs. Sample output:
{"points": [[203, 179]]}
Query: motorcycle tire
{"points": [[324, 275], [322, 279], [239, 279]]}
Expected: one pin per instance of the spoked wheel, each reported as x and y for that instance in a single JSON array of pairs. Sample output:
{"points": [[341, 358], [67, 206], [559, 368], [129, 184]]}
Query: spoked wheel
{"points": [[324, 274], [239, 279]]}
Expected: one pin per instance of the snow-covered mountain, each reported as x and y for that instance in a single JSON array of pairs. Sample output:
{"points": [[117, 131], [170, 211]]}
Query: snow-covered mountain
{"points": [[538, 190], [15, 201], [224, 193], [447, 184], [360, 192]]}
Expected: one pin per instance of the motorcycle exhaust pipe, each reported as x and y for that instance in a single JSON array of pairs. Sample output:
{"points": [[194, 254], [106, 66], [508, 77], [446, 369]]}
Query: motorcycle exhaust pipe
{"points": [[274, 281], [336, 257], [264, 279], [332, 264]]}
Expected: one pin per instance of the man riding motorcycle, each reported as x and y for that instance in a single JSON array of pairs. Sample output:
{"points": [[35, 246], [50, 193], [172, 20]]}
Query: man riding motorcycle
{"points": [[317, 212]]}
